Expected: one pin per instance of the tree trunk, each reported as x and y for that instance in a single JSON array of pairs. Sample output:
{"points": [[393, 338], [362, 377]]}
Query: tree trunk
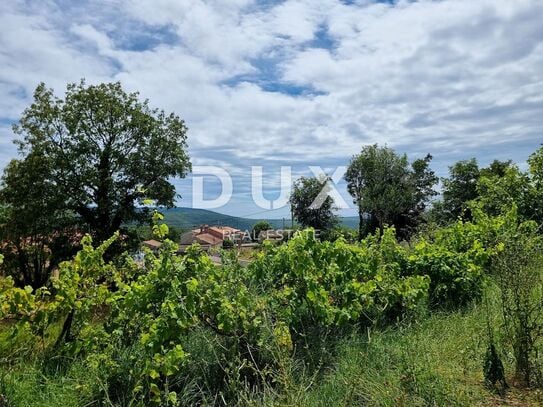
{"points": [[360, 223], [65, 334], [522, 356], [103, 199]]}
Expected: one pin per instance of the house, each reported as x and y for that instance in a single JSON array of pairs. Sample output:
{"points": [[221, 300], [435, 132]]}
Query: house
{"points": [[214, 236], [154, 245], [206, 236]]}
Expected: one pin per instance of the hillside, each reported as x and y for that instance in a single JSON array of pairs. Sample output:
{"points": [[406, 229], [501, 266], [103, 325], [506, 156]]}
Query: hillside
{"points": [[189, 218]]}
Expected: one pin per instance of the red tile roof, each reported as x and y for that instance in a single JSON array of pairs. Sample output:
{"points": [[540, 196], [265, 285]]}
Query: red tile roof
{"points": [[208, 238], [152, 244]]}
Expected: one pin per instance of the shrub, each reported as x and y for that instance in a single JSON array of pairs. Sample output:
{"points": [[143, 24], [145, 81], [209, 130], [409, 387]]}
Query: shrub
{"points": [[333, 283], [518, 269], [227, 244], [456, 278], [146, 328]]}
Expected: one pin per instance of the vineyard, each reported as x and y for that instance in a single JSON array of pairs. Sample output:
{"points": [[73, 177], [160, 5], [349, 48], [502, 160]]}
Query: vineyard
{"points": [[179, 330]]}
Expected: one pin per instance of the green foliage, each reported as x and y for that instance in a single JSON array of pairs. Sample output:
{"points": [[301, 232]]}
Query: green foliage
{"points": [[227, 244], [262, 309], [495, 189], [385, 187], [350, 235], [83, 286], [334, 283], [535, 163], [498, 192], [457, 258], [35, 231], [101, 150], [460, 188], [260, 226], [174, 234], [435, 362], [311, 205], [454, 261], [496, 168], [518, 271], [153, 333], [87, 160]]}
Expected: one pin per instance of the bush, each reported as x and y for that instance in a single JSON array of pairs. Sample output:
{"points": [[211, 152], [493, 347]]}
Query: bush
{"points": [[518, 269], [227, 244], [260, 226], [148, 329], [333, 283], [456, 278]]}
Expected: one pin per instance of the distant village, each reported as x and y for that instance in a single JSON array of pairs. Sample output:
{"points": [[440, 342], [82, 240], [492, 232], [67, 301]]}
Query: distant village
{"points": [[212, 238]]}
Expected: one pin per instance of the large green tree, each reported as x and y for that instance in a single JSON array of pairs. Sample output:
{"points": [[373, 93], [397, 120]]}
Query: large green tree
{"points": [[311, 205], [87, 160], [423, 180], [460, 188], [35, 229], [389, 190], [496, 168], [464, 185], [105, 151], [535, 165], [497, 191]]}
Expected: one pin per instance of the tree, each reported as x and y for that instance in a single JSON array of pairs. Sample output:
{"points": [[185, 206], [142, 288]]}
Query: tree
{"points": [[105, 151], [517, 271], [498, 193], [499, 190], [535, 165], [87, 161], [497, 168], [227, 244], [460, 188], [260, 226], [311, 205], [35, 230], [424, 180], [466, 183], [387, 190]]}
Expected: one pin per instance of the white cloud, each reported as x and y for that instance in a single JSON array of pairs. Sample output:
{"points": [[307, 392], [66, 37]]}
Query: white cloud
{"points": [[88, 33], [35, 50], [298, 81]]}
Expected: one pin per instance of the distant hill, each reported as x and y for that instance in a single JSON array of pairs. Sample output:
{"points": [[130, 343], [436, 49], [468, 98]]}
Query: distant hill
{"points": [[350, 222], [188, 218]]}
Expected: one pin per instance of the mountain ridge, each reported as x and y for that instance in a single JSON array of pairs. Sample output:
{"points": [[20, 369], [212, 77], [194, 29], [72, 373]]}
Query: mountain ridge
{"points": [[191, 218]]}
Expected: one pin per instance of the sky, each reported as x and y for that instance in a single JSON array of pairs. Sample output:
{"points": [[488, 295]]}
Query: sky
{"points": [[295, 83]]}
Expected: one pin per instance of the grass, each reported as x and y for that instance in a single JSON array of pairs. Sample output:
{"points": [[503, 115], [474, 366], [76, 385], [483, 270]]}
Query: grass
{"points": [[436, 363], [28, 386]]}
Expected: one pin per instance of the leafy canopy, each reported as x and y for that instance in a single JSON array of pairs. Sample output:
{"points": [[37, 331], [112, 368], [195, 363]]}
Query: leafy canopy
{"points": [[104, 151], [260, 226], [388, 189], [311, 205]]}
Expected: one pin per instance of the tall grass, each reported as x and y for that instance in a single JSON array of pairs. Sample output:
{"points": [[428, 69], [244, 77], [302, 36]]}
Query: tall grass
{"points": [[435, 363]]}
